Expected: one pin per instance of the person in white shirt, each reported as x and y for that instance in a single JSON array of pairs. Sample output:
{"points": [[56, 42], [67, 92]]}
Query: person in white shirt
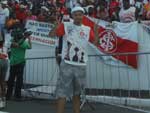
{"points": [[127, 13], [71, 82], [4, 15], [3, 69]]}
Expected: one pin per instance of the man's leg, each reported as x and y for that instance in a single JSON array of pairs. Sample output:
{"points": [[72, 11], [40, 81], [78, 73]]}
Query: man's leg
{"points": [[11, 81], [76, 104], [61, 105], [19, 81], [64, 86], [78, 86]]}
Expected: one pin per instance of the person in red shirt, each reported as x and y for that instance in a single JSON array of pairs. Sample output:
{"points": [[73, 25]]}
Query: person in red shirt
{"points": [[114, 9], [21, 14]]}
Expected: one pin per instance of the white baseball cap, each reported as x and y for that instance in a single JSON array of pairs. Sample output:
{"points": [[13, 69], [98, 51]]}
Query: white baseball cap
{"points": [[45, 8], [77, 8], [4, 2]]}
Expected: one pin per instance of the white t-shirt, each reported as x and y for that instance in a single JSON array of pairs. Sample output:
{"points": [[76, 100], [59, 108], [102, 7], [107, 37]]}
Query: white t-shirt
{"points": [[145, 1], [128, 15], [4, 13], [132, 2], [75, 42]]}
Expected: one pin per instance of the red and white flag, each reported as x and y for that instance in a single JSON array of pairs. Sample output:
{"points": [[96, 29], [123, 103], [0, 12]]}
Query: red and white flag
{"points": [[122, 38]]}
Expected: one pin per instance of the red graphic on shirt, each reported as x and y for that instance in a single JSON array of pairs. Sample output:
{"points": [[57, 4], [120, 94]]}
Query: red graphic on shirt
{"points": [[108, 41], [82, 34]]}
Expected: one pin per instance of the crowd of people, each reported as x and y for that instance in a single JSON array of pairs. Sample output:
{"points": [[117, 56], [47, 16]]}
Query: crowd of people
{"points": [[13, 17], [52, 10]]}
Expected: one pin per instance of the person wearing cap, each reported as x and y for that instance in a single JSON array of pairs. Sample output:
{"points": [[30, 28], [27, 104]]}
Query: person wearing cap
{"points": [[42, 17], [71, 82]]}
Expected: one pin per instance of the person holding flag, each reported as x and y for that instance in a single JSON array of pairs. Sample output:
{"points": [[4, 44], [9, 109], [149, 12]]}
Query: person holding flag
{"points": [[72, 78]]}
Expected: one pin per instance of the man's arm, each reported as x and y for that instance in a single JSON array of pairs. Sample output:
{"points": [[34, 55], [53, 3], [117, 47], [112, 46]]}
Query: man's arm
{"points": [[94, 38], [29, 41], [14, 45], [58, 30]]}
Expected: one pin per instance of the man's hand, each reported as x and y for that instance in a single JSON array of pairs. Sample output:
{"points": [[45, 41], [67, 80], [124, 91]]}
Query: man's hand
{"points": [[14, 45], [52, 33]]}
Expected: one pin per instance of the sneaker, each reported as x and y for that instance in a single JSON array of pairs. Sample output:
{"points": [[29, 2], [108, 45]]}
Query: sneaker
{"points": [[4, 102], [1, 104]]}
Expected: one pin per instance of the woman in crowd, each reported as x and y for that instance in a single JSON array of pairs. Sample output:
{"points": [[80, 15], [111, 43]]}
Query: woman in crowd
{"points": [[127, 13]]}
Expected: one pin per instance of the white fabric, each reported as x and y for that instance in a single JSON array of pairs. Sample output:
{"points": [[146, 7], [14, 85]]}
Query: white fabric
{"points": [[128, 31], [77, 8], [4, 2], [75, 44], [145, 1], [132, 2], [6, 10], [127, 15], [45, 8], [87, 7], [4, 13], [139, 5]]}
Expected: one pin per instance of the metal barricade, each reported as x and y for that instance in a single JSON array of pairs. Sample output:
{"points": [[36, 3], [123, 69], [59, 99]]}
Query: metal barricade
{"points": [[40, 77], [106, 83]]}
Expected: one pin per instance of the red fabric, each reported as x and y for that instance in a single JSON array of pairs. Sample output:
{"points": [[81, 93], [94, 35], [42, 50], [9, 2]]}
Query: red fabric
{"points": [[3, 56], [60, 30], [113, 7], [41, 18], [92, 36], [123, 46], [21, 15], [62, 1], [63, 10]]}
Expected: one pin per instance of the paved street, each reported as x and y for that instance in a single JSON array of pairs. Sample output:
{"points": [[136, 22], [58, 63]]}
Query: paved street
{"points": [[41, 106]]}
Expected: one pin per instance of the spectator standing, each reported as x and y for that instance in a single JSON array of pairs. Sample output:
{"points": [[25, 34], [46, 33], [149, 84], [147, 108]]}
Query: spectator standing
{"points": [[21, 14], [3, 69], [127, 13], [114, 10], [102, 10], [20, 43], [71, 81]]}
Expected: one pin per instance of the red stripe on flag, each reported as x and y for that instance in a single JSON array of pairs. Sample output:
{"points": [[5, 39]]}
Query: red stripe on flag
{"points": [[123, 46]]}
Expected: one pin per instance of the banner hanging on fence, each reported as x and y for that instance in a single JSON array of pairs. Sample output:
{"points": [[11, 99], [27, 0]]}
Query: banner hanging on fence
{"points": [[40, 32], [118, 38], [146, 26]]}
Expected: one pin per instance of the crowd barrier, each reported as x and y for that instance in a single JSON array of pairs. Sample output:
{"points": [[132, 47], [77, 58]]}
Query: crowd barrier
{"points": [[116, 85]]}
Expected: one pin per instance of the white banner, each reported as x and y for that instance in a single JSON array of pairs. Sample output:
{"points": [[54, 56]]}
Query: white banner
{"points": [[40, 33]]}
